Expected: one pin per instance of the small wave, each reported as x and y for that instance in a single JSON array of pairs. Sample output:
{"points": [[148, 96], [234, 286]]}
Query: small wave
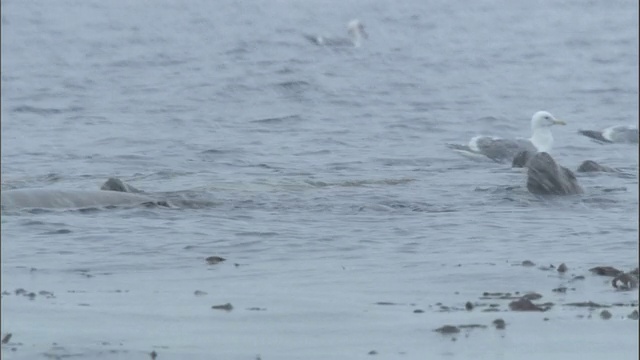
{"points": [[358, 183], [612, 90], [279, 120], [294, 85], [44, 111], [257, 233]]}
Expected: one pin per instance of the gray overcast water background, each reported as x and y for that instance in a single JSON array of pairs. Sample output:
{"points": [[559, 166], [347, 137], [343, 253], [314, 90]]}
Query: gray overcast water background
{"points": [[322, 176]]}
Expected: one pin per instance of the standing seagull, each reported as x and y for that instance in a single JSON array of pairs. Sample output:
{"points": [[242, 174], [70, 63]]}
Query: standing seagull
{"points": [[500, 150], [356, 36]]}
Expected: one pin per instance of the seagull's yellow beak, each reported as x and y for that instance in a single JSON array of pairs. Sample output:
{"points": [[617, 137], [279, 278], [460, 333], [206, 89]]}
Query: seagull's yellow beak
{"points": [[559, 122]]}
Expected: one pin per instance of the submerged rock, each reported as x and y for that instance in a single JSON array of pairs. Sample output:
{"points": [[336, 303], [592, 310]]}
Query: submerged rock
{"points": [[448, 329], [562, 268], [589, 304], [472, 326], [592, 166], [115, 184], [532, 296], [212, 260], [225, 307], [606, 271], [524, 305], [605, 314]]}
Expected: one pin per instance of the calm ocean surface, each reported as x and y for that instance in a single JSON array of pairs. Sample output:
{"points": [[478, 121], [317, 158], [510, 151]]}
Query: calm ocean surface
{"points": [[320, 174]]}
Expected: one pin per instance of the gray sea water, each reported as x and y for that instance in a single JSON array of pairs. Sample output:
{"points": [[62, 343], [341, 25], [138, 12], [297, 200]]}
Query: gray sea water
{"points": [[321, 174]]}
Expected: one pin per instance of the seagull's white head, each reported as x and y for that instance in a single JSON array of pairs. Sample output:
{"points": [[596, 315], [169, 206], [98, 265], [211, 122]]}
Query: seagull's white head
{"points": [[541, 124], [543, 119]]}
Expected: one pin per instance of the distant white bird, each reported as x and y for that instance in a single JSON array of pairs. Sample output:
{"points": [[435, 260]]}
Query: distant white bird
{"points": [[501, 150], [356, 35], [613, 134]]}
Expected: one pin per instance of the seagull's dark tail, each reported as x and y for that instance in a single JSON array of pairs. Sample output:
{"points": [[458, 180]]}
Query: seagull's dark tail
{"points": [[313, 39], [595, 135]]}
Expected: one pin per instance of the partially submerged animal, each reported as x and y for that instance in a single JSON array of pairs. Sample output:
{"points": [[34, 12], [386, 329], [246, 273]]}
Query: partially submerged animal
{"points": [[356, 32], [592, 166], [124, 195]]}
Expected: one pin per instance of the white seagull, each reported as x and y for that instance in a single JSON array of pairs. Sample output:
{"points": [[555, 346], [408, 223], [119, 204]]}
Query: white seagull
{"points": [[501, 150], [613, 134]]}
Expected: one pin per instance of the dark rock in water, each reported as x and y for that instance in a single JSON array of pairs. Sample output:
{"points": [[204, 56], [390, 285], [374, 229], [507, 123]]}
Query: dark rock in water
{"points": [[499, 323], [524, 305], [468, 306], [546, 177], [634, 315], [532, 296], [115, 184], [589, 304], [528, 263], [226, 307], [448, 329], [562, 268], [6, 338], [592, 166], [472, 326], [491, 310], [605, 314], [606, 271], [212, 260], [521, 159]]}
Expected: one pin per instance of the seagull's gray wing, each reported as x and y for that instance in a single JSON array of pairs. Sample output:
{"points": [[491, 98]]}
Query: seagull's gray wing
{"points": [[503, 149]]}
